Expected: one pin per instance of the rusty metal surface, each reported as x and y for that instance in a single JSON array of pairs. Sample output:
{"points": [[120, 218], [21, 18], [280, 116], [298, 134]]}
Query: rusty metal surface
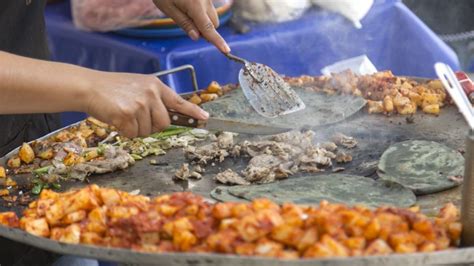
{"points": [[375, 133]]}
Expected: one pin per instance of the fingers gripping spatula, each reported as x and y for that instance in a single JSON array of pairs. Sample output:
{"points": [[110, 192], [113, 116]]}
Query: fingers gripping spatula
{"points": [[266, 91]]}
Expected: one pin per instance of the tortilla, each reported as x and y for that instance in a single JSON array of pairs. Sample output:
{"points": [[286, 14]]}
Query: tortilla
{"points": [[422, 166], [335, 188], [321, 109]]}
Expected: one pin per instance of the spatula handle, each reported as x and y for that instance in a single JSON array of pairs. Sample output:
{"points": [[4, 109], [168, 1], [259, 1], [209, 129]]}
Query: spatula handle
{"points": [[179, 119], [236, 58]]}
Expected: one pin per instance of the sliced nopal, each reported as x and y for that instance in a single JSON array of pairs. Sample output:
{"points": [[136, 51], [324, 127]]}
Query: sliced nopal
{"points": [[422, 166], [335, 188]]}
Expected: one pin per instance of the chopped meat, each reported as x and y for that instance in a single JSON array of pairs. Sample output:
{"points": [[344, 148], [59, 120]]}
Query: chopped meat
{"points": [[198, 169], [115, 158], [272, 158], [225, 140], [330, 146], [345, 141], [343, 157], [183, 173], [196, 175], [230, 177]]}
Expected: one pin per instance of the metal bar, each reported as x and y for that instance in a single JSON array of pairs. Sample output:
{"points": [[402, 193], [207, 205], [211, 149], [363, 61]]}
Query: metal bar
{"points": [[467, 197], [179, 69]]}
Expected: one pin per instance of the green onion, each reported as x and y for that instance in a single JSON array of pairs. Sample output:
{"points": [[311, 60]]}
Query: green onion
{"points": [[42, 170], [56, 185], [171, 131], [37, 189]]}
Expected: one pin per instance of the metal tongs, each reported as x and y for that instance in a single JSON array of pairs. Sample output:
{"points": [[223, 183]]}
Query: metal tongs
{"points": [[454, 88], [266, 91]]}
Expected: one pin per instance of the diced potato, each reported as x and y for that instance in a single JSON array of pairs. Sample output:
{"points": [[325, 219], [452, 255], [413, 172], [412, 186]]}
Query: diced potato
{"points": [[416, 98], [26, 153], [388, 104], [91, 238], [96, 122], [183, 240], [436, 85], [37, 227], [10, 182], [195, 99], [3, 173], [429, 99], [14, 162], [405, 248], [373, 229], [375, 107], [214, 87], [378, 247], [74, 217], [4, 192], [72, 159], [71, 234], [100, 132], [47, 154], [432, 109], [91, 155], [9, 219], [208, 97]]}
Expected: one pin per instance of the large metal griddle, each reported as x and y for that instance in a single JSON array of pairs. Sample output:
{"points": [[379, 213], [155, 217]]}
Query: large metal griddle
{"points": [[375, 133]]}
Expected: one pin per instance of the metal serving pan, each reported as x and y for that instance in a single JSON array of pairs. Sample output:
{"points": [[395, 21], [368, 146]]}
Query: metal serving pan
{"points": [[374, 133]]}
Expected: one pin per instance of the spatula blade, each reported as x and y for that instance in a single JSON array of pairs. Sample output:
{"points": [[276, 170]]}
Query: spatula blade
{"points": [[267, 92]]}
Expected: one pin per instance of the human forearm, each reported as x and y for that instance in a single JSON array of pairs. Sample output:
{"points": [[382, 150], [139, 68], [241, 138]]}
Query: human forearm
{"points": [[34, 86]]}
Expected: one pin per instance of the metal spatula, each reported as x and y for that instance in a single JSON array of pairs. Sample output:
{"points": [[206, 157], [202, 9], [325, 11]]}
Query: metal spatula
{"points": [[266, 91]]}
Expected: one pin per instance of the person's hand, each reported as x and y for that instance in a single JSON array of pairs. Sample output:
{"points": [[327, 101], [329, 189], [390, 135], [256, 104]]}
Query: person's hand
{"points": [[197, 18], [135, 104]]}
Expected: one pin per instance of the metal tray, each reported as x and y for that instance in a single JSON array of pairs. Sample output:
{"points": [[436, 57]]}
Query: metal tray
{"points": [[374, 133]]}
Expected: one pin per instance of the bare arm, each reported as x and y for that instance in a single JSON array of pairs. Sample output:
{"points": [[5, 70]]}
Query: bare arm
{"points": [[136, 104]]}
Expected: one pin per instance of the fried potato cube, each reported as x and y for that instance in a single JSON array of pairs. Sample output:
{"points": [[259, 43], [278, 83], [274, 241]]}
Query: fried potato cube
{"points": [[454, 231], [4, 192], [388, 104], [425, 228], [74, 217], [355, 243], [100, 132], [309, 238], [71, 234], [378, 247], [150, 238], [91, 155], [14, 162], [375, 107], [195, 99], [431, 109], [47, 154], [222, 210], [214, 87], [436, 85], [91, 238], [227, 223], [9, 219], [416, 98], [109, 197], [43, 206], [97, 220], [26, 153], [96, 122], [337, 248], [318, 250], [37, 227], [442, 243], [427, 247], [167, 210], [72, 159], [209, 97], [449, 213], [287, 234], [55, 212], [373, 229], [184, 240], [268, 248], [249, 229], [83, 199], [3, 173], [49, 194], [245, 249], [429, 99], [405, 248]]}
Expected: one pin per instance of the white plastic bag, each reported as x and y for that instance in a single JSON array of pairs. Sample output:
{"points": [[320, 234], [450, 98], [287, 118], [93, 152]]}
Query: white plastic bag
{"points": [[271, 10], [354, 10], [360, 65]]}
